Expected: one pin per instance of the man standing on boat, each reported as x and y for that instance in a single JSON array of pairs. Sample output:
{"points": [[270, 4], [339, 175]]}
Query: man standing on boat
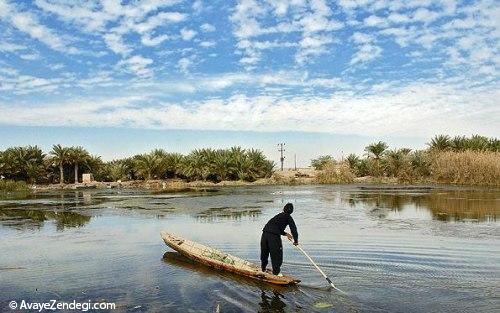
{"points": [[270, 242]]}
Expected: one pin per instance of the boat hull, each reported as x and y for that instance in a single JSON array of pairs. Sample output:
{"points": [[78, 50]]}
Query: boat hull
{"points": [[219, 260]]}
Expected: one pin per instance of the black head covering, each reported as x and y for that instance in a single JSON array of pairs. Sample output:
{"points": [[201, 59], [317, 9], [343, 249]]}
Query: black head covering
{"points": [[288, 208]]}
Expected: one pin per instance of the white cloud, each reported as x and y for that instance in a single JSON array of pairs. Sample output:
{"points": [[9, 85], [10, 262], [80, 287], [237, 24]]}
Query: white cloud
{"points": [[112, 21], [367, 49], [374, 21], [424, 15], [311, 46], [30, 56], [207, 44], [187, 34], [366, 52], [11, 47], [137, 65], [29, 24], [398, 18], [56, 66], [402, 111], [153, 41], [197, 6], [184, 64], [18, 84], [207, 28], [312, 19], [115, 43], [361, 38]]}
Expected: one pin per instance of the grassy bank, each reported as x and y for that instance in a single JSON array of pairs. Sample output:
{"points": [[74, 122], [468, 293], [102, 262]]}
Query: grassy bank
{"points": [[461, 160]]}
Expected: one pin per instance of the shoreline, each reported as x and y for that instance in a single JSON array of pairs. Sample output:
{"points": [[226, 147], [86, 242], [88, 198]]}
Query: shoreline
{"points": [[290, 177], [177, 185], [303, 176]]}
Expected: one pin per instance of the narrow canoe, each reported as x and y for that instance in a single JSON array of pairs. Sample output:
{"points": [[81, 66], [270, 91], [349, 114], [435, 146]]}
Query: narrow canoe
{"points": [[223, 261]]}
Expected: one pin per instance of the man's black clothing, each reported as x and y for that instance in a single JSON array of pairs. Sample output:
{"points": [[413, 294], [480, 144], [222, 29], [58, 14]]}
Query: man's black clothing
{"points": [[278, 223], [270, 242]]}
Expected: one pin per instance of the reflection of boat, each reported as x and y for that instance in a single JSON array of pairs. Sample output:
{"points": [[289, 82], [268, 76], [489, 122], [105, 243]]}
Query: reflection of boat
{"points": [[220, 260], [178, 260]]}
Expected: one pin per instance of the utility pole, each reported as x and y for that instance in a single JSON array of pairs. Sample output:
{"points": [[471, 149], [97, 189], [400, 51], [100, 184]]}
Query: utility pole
{"points": [[282, 158], [295, 157]]}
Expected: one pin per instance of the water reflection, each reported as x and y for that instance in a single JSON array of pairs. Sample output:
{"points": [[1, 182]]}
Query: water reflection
{"points": [[454, 205], [271, 295], [179, 261], [35, 219], [225, 213], [271, 303], [384, 265]]}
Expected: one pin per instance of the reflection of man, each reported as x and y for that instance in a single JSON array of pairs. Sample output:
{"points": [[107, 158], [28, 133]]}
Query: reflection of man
{"points": [[270, 242], [275, 305]]}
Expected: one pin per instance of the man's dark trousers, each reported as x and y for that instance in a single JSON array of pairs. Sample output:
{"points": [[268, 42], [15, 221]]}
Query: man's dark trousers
{"points": [[271, 244]]}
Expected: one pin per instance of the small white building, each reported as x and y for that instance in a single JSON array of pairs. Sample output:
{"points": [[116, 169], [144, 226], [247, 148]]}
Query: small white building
{"points": [[87, 178]]}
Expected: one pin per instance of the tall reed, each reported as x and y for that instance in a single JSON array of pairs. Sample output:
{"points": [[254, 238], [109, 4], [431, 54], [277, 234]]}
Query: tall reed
{"points": [[333, 173], [467, 167]]}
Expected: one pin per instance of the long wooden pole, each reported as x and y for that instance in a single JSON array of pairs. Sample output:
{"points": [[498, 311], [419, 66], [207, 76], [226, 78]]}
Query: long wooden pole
{"points": [[317, 267]]}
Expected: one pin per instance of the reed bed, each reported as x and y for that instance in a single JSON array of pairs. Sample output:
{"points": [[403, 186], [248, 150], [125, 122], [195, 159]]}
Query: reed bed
{"points": [[467, 167]]}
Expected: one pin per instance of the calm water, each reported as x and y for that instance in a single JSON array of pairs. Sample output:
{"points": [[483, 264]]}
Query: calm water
{"points": [[399, 250]]}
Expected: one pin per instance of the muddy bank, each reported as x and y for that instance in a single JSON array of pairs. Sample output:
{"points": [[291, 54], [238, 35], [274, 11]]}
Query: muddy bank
{"points": [[280, 178]]}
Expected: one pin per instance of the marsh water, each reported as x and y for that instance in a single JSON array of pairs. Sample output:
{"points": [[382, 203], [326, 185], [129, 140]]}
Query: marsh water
{"points": [[411, 249]]}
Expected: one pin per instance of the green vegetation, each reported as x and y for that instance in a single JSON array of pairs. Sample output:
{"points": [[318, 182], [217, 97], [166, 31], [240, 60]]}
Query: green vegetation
{"points": [[322, 161], [10, 185], [471, 160], [461, 160], [65, 164], [462, 143]]}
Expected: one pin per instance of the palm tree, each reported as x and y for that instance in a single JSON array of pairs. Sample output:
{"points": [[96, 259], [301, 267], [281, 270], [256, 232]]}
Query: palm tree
{"points": [[240, 163], [376, 149], [260, 166], [96, 166], [421, 163], [60, 156], [353, 161], [118, 170], [494, 145], [440, 143], [222, 164], [174, 161], [322, 161], [22, 163], [146, 165], [162, 156], [77, 156], [395, 160], [478, 143], [459, 143]]}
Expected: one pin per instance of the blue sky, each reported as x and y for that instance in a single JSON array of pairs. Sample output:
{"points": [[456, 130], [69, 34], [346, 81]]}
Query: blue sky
{"points": [[326, 76]]}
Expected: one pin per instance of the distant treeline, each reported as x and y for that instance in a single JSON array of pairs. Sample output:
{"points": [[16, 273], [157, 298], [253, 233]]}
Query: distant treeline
{"points": [[462, 160], [65, 165]]}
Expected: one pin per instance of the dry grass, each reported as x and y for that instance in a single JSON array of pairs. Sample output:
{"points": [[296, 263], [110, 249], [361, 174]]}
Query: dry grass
{"points": [[468, 167], [335, 174]]}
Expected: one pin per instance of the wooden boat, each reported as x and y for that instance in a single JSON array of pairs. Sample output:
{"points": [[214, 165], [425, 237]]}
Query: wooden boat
{"points": [[217, 259]]}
